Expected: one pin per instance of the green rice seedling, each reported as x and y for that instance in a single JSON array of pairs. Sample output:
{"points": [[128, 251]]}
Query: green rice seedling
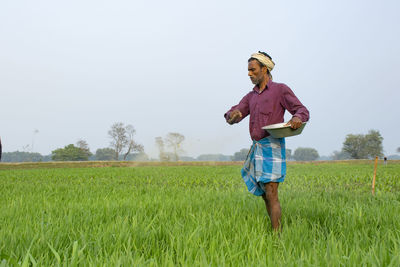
{"points": [[197, 216]]}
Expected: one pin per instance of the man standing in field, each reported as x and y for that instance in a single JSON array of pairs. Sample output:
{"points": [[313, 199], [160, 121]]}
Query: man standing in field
{"points": [[265, 166]]}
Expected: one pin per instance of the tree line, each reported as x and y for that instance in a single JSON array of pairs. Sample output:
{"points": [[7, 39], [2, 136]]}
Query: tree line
{"points": [[124, 147], [355, 146]]}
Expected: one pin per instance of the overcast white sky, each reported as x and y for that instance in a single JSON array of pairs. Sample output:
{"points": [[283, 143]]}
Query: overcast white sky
{"points": [[70, 69]]}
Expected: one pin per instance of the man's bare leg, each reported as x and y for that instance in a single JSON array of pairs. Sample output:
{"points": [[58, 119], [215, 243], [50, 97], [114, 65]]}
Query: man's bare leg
{"points": [[272, 204], [267, 204]]}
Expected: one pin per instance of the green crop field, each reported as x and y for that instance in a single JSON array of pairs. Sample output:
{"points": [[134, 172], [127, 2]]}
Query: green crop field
{"points": [[197, 216]]}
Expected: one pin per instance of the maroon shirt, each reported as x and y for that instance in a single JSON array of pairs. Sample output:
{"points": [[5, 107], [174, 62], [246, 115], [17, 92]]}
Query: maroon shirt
{"points": [[268, 107]]}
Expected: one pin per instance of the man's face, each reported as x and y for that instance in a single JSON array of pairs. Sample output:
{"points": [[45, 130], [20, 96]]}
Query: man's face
{"points": [[256, 73]]}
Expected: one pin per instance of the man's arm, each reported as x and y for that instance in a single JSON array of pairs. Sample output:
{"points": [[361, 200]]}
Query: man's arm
{"points": [[292, 104], [238, 112]]}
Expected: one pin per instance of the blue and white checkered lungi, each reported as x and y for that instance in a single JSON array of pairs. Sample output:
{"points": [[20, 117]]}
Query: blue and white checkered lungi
{"points": [[266, 162]]}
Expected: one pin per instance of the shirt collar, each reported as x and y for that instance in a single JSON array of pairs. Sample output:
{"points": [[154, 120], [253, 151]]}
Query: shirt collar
{"points": [[257, 90]]}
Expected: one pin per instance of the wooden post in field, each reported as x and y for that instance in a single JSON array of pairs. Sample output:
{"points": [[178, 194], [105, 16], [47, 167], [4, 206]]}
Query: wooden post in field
{"points": [[373, 181]]}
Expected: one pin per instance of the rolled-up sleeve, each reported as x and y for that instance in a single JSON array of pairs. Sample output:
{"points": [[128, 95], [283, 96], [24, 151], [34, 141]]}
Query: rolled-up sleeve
{"points": [[292, 104], [243, 106]]}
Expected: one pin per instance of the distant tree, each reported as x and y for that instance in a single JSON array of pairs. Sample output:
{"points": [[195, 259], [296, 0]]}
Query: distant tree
{"points": [[132, 145], [117, 133], [340, 155], [398, 150], [305, 154], [174, 141], [82, 144], [105, 154], [161, 148], [241, 155], [373, 144], [353, 145], [122, 139], [70, 153], [1, 149], [19, 156], [364, 146]]}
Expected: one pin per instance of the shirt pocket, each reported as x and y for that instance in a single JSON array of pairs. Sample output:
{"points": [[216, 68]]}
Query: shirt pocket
{"points": [[264, 118]]}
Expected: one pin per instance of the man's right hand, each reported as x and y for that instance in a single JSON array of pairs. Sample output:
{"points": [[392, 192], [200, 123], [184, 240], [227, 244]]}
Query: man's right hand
{"points": [[234, 116]]}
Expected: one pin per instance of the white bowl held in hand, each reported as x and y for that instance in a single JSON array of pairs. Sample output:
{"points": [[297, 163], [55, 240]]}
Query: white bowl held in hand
{"points": [[280, 130]]}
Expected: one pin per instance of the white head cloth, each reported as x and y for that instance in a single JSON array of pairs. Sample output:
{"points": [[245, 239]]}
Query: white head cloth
{"points": [[266, 61]]}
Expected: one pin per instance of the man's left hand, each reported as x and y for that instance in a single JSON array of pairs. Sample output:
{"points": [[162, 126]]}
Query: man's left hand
{"points": [[295, 123]]}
